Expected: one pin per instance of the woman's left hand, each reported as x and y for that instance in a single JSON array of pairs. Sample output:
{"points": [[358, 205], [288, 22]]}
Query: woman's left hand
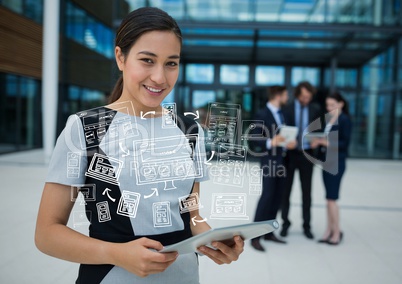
{"points": [[222, 253]]}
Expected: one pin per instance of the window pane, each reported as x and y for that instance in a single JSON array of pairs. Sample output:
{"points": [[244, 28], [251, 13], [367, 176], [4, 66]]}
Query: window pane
{"points": [[344, 78], [201, 98], [200, 73], [15, 5], [270, 75], [305, 74], [234, 74]]}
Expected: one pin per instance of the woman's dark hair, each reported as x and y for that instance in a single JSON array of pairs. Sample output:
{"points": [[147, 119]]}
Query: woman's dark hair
{"points": [[339, 98], [134, 25]]}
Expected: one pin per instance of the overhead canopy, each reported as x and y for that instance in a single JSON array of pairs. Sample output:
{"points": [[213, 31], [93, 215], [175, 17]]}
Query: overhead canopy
{"points": [[284, 43], [296, 32]]}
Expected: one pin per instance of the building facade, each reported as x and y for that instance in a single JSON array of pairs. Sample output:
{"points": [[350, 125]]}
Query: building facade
{"points": [[233, 50]]}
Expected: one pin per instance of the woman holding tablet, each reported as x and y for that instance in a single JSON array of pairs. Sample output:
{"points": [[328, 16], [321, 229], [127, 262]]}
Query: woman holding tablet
{"points": [[134, 171]]}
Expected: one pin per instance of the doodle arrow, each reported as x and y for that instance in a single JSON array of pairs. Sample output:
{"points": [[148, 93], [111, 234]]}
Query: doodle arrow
{"points": [[154, 191], [106, 192], [196, 114], [145, 114], [212, 155], [126, 152], [198, 221]]}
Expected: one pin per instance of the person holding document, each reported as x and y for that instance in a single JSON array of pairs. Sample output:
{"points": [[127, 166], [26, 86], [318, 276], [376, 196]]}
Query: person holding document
{"points": [[334, 151], [272, 154], [300, 113]]}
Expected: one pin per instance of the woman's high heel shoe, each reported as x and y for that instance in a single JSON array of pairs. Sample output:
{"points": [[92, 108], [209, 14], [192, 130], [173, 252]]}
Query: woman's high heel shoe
{"points": [[322, 241], [338, 242]]}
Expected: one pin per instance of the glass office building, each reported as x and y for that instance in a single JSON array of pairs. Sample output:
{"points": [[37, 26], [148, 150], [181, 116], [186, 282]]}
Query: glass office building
{"points": [[233, 50]]}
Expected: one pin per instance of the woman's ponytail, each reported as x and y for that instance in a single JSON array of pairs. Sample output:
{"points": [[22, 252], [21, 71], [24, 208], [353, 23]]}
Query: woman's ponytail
{"points": [[117, 91]]}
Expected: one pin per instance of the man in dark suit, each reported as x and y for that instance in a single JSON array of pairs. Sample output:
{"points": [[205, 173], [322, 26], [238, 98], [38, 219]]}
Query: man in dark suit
{"points": [[271, 160], [301, 113]]}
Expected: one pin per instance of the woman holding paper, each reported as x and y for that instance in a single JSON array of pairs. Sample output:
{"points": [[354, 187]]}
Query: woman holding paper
{"points": [[334, 149]]}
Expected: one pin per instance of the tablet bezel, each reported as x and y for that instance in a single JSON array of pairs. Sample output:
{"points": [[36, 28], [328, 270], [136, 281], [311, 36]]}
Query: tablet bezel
{"points": [[224, 234]]}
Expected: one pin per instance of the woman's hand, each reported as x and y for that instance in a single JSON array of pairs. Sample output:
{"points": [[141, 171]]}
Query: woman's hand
{"points": [[223, 253], [141, 257]]}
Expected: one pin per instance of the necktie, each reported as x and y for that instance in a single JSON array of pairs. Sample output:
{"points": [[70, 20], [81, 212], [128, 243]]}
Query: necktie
{"points": [[281, 118], [300, 133]]}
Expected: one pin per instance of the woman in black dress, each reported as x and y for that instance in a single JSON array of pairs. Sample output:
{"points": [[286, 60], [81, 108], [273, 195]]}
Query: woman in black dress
{"points": [[334, 149]]}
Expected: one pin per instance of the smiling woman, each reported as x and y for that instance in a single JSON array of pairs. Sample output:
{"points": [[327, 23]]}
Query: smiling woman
{"points": [[150, 69], [134, 173]]}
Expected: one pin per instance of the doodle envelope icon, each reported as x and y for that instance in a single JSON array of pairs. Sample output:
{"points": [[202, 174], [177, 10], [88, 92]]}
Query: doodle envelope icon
{"points": [[225, 235]]}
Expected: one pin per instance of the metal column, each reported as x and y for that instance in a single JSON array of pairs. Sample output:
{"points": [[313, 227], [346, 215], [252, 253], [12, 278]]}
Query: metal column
{"points": [[50, 74]]}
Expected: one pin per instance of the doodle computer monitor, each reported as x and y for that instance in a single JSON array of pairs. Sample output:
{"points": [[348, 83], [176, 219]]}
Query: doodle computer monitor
{"points": [[252, 130], [167, 159], [105, 168], [88, 192]]}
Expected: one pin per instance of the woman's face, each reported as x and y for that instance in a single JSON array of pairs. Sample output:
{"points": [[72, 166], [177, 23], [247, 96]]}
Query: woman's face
{"points": [[333, 105], [150, 70]]}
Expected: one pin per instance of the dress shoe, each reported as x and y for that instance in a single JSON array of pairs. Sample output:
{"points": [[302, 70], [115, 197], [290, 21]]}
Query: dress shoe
{"points": [[273, 238], [284, 231], [336, 243], [308, 234], [255, 243]]}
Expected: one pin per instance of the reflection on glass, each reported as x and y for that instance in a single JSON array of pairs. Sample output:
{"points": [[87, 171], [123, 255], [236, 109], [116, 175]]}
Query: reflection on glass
{"points": [[20, 123], [234, 74], [344, 78], [305, 74], [85, 29], [201, 98], [200, 73], [270, 75]]}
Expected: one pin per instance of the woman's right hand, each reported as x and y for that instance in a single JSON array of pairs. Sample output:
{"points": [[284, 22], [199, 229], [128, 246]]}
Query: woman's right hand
{"points": [[141, 257]]}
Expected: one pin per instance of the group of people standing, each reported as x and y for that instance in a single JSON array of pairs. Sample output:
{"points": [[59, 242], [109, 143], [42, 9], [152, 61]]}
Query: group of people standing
{"points": [[328, 150]]}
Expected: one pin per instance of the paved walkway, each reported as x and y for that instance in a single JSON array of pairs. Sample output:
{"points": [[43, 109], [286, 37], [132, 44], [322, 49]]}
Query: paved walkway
{"points": [[371, 214]]}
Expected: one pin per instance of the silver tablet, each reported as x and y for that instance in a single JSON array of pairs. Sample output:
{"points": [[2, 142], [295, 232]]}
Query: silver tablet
{"points": [[225, 235]]}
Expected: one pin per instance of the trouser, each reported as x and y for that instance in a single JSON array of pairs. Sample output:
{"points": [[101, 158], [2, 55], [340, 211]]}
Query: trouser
{"points": [[297, 160]]}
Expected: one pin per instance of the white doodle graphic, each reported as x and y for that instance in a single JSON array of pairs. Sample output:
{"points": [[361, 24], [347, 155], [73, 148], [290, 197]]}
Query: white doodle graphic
{"points": [[166, 160], [106, 192], [126, 152], [162, 214], [229, 206], [189, 203], [105, 168], [210, 159], [255, 181], [143, 115], [154, 192], [222, 123], [195, 221], [88, 192], [73, 165], [103, 211], [196, 114], [82, 218], [169, 115], [232, 164], [252, 130], [128, 204], [98, 121]]}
